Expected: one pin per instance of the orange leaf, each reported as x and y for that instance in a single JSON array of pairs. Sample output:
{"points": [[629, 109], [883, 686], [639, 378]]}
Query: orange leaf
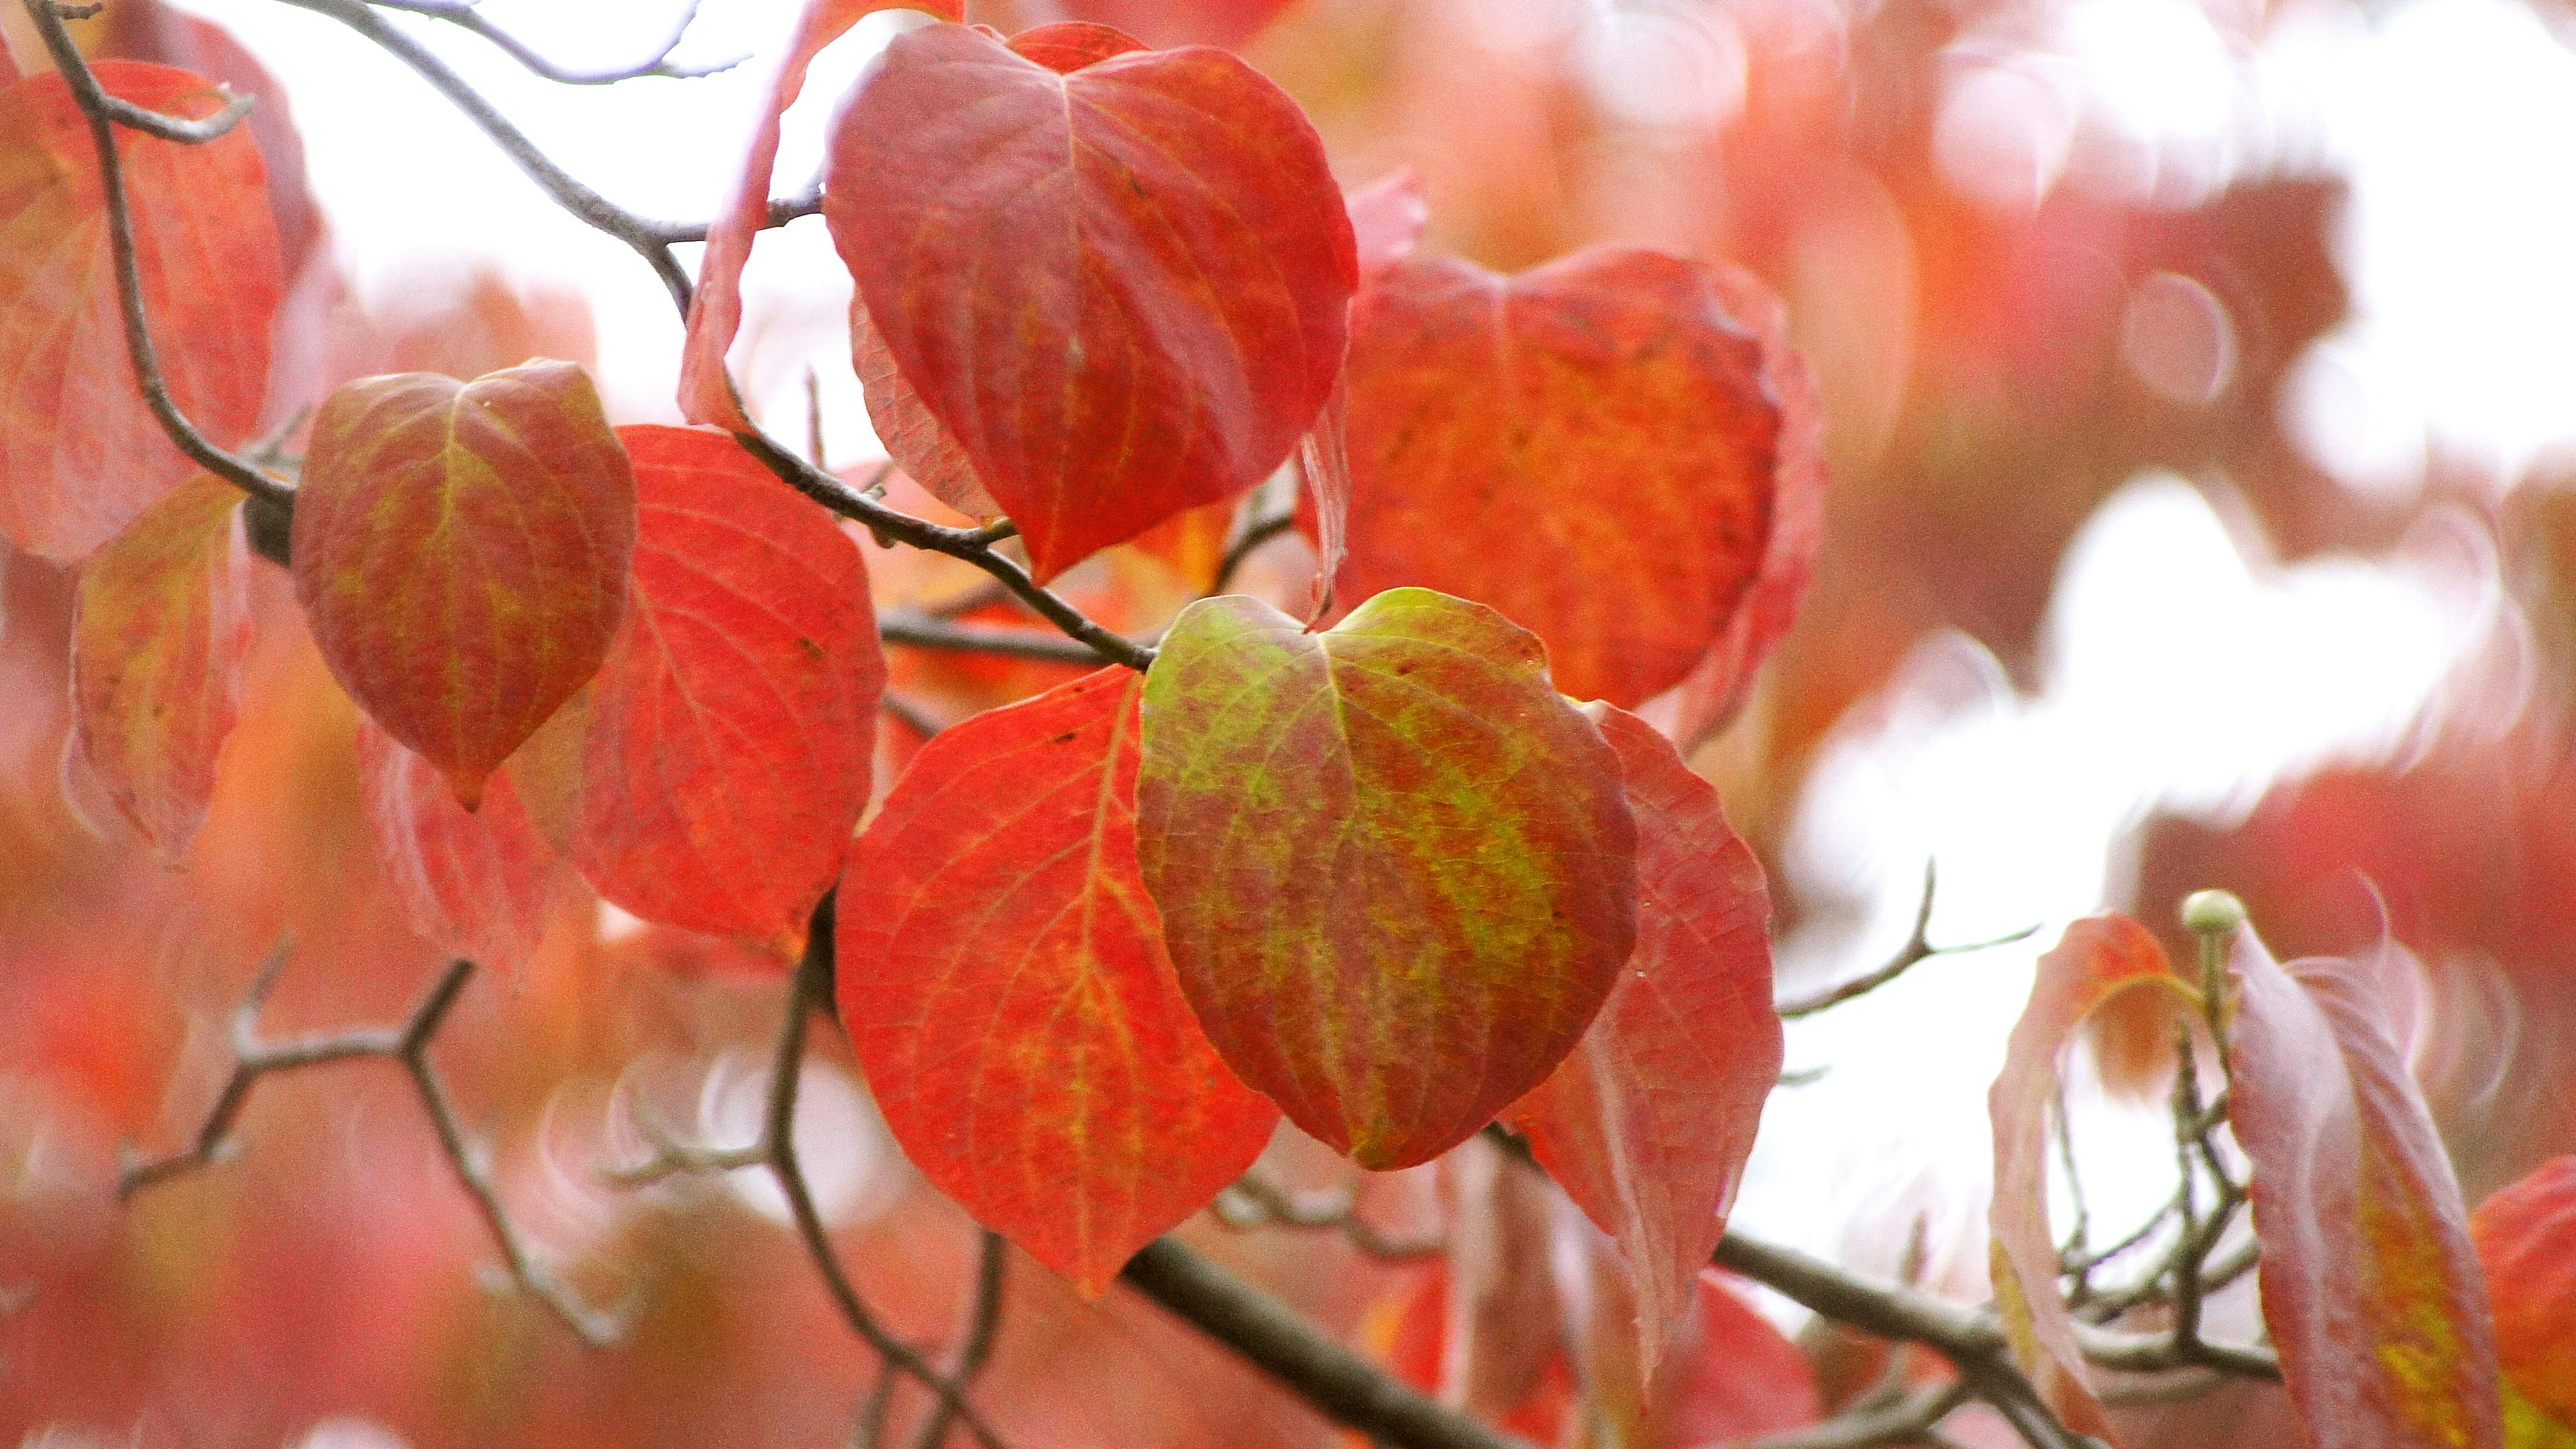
{"points": [[80, 452], [1588, 447], [1121, 291], [1647, 1124], [1396, 870], [162, 629], [1006, 989], [715, 309], [2100, 958], [2370, 1283], [730, 738], [475, 884], [2526, 1240], [461, 551]]}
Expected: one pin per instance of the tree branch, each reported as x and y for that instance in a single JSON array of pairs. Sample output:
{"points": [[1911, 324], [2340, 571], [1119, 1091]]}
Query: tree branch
{"points": [[924, 631], [975, 1346], [104, 112], [465, 16], [1917, 949]]}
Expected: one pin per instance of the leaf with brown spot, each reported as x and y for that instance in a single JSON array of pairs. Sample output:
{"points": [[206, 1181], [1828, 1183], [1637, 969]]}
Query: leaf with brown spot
{"points": [[461, 551]]}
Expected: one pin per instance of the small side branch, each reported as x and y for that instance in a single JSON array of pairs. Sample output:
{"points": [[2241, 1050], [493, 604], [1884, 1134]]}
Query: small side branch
{"points": [[408, 1047], [1254, 1201], [466, 17], [924, 631], [1917, 949]]}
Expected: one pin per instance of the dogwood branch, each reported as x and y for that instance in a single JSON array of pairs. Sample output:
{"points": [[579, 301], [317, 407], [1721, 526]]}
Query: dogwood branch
{"points": [[463, 15], [1917, 949]]}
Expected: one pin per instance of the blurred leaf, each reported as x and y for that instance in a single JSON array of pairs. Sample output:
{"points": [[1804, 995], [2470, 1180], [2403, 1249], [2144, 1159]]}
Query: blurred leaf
{"points": [[475, 884], [2526, 1242]]}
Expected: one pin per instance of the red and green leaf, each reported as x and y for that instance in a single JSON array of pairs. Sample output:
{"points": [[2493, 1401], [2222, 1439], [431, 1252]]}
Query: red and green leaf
{"points": [[2526, 1241], [1005, 985], [728, 742], [461, 550], [1122, 292], [2101, 959], [1396, 869], [2370, 1282], [715, 308], [80, 452], [475, 884], [158, 644], [1588, 447], [1648, 1123]]}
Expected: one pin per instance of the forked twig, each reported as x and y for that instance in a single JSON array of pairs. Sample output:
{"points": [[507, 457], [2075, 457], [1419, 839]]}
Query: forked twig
{"points": [[1918, 949]]}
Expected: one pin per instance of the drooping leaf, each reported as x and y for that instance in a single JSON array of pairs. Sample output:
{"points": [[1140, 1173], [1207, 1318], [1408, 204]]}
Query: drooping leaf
{"points": [[1003, 977], [1123, 291], [80, 452], [2101, 958], [475, 884], [715, 309], [461, 551], [2370, 1283], [1587, 447], [1647, 1124], [728, 743], [1324, 471], [1396, 869], [158, 642], [2526, 1242]]}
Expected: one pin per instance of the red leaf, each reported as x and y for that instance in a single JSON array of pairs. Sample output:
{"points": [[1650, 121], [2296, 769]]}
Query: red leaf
{"points": [[1069, 47], [912, 437], [1718, 685], [1396, 871], [1324, 469], [1122, 291], [715, 309], [162, 629], [475, 884], [731, 735], [1587, 447], [1647, 1124], [2526, 1241], [461, 551], [1181, 22], [2100, 958], [1735, 1378], [80, 452], [2370, 1283], [1006, 989]]}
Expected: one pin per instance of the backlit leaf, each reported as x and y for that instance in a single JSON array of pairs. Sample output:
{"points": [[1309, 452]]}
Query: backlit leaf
{"points": [[715, 309], [730, 737], [1587, 447], [162, 628], [1123, 292], [2370, 1283], [1647, 1124], [2101, 958], [1006, 988], [1181, 22], [475, 884], [2526, 1240], [461, 551], [911, 436], [80, 453], [1387, 220], [1396, 869]]}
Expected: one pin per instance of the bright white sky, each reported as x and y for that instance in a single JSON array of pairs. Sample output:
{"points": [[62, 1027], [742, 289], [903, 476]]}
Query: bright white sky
{"points": [[2456, 123]]}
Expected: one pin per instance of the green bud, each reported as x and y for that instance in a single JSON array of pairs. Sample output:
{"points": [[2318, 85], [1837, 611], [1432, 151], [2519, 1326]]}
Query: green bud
{"points": [[2212, 913]]}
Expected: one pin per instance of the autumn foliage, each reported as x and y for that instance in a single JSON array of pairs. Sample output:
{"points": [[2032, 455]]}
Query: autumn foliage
{"points": [[1250, 739]]}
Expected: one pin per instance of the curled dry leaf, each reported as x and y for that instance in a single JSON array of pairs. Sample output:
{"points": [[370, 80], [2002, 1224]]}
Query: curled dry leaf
{"points": [[2101, 959], [2371, 1286], [1396, 869], [2526, 1241], [80, 452], [474, 884], [1605, 414], [1122, 292], [461, 551], [1647, 1124], [159, 638], [1005, 986]]}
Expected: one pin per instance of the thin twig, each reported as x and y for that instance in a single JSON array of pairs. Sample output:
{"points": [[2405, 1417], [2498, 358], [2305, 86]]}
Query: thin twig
{"points": [[465, 16], [983, 1325], [1255, 533], [407, 1046], [928, 631], [1253, 1201], [782, 210], [1903, 1422], [103, 116], [1917, 949]]}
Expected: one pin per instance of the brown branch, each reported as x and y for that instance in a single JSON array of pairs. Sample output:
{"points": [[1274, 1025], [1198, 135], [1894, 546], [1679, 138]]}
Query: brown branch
{"points": [[1917, 949], [104, 113], [782, 210], [983, 1326], [465, 16], [925, 631], [407, 1046], [1906, 1421], [1253, 1201], [1256, 532]]}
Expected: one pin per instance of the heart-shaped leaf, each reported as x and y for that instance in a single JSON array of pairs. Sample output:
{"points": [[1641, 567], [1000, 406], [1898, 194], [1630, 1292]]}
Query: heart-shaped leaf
{"points": [[461, 550], [162, 629], [1006, 989], [1588, 447], [80, 452], [1123, 291], [1396, 869]]}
